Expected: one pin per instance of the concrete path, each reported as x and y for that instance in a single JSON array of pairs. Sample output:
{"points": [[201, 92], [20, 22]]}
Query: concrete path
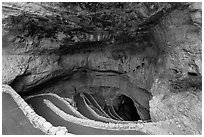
{"points": [[14, 121]]}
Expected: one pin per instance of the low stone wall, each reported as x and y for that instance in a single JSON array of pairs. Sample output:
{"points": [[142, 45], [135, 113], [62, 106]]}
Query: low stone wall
{"points": [[36, 120]]}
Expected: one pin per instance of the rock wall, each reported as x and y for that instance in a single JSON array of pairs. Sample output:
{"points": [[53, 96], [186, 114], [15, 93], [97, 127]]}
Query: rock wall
{"points": [[38, 68], [179, 40], [177, 89], [167, 65]]}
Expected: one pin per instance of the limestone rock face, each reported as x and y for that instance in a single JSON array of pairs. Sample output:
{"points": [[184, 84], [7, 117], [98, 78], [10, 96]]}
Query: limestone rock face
{"points": [[186, 104], [180, 44], [154, 58], [13, 65], [138, 67], [178, 92], [28, 69]]}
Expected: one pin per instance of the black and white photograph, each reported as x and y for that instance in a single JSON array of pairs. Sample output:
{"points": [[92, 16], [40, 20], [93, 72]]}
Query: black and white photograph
{"points": [[101, 68]]}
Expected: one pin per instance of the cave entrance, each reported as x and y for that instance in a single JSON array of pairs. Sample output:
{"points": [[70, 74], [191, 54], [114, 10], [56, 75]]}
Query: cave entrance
{"points": [[126, 109]]}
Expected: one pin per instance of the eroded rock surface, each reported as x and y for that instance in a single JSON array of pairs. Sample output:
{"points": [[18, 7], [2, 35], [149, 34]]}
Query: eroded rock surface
{"points": [[159, 68]]}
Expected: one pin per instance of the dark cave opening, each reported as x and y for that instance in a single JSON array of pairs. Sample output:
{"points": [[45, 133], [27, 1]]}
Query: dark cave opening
{"points": [[143, 48], [60, 85], [126, 109]]}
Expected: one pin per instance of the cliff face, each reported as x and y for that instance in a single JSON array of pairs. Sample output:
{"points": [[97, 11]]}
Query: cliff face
{"points": [[54, 55], [179, 87], [160, 68]]}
